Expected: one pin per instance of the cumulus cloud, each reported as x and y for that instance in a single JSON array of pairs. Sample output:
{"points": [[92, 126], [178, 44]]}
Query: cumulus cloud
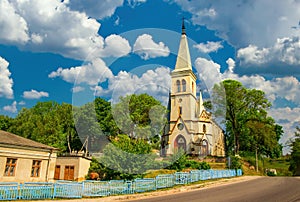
{"points": [[209, 71], [146, 48], [242, 23], [209, 47], [51, 26], [11, 108], [153, 82], [91, 73], [14, 28], [77, 89], [285, 50], [95, 8], [6, 83], [115, 46], [33, 94]]}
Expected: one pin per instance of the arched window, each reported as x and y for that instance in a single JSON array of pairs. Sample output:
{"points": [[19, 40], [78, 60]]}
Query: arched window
{"points": [[204, 128], [178, 85], [183, 85]]}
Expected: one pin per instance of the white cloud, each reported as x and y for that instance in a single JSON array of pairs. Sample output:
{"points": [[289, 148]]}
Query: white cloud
{"points": [[95, 8], [286, 50], [209, 71], [14, 28], [90, 73], [11, 108], [115, 46], [22, 103], [134, 3], [146, 48], [209, 47], [6, 83], [153, 82], [77, 89], [242, 23], [51, 26], [33, 94]]}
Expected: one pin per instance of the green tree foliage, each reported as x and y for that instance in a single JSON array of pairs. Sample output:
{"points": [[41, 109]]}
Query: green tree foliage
{"points": [[128, 157], [247, 123], [5, 122], [140, 116], [295, 155], [49, 123]]}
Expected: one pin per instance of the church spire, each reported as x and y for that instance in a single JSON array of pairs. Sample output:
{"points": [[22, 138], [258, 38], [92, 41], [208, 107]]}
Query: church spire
{"points": [[183, 61]]}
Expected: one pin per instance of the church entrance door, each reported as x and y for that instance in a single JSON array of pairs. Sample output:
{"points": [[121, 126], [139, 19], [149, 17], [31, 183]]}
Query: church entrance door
{"points": [[204, 148], [180, 143]]}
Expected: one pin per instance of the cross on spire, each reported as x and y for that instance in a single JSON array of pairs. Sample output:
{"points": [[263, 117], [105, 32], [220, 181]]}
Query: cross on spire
{"points": [[183, 27]]}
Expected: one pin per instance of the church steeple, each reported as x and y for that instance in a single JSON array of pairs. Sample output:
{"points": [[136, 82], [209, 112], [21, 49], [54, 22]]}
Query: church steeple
{"points": [[183, 61]]}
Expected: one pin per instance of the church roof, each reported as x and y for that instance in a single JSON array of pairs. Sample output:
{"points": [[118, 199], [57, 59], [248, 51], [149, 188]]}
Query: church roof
{"points": [[183, 61], [7, 138]]}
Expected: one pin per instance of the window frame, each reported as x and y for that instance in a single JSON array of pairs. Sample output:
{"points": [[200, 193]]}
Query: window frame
{"points": [[36, 168], [10, 166]]}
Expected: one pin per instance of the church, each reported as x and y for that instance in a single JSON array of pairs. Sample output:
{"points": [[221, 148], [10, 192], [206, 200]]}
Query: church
{"points": [[190, 126]]}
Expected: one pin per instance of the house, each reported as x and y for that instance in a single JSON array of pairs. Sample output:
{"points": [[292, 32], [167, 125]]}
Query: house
{"points": [[24, 160]]}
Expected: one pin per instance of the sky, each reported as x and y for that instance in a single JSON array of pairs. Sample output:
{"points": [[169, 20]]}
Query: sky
{"points": [[75, 50]]}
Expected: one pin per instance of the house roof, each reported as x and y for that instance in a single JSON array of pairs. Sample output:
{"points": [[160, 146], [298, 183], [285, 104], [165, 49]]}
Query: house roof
{"points": [[12, 139]]}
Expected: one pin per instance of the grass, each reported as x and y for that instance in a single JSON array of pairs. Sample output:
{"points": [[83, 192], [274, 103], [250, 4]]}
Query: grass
{"points": [[281, 165]]}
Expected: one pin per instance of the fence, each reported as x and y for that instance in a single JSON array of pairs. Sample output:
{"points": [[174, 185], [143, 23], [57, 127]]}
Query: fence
{"points": [[68, 189]]}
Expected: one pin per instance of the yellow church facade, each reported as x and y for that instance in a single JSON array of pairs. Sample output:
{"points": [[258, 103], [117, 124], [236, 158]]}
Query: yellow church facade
{"points": [[191, 126]]}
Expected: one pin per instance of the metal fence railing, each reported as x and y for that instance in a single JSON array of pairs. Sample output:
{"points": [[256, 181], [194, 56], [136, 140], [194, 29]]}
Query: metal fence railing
{"points": [[68, 189]]}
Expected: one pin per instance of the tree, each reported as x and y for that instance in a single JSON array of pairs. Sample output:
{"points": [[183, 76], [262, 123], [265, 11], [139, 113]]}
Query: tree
{"points": [[295, 155], [246, 109], [49, 123], [128, 157], [5, 122], [139, 116]]}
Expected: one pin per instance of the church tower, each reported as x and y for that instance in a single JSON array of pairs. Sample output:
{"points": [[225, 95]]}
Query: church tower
{"points": [[190, 126]]}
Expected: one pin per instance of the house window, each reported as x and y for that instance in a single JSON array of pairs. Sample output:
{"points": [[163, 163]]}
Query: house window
{"points": [[178, 85], [183, 85], [36, 167], [10, 167]]}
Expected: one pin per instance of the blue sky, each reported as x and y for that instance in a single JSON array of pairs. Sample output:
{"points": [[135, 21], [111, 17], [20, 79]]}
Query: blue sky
{"points": [[73, 50]]}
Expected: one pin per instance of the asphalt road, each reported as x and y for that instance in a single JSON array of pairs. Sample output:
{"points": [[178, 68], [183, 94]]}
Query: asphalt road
{"points": [[264, 189]]}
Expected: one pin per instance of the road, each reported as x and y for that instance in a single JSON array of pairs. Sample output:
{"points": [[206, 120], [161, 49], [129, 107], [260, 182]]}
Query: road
{"points": [[265, 189]]}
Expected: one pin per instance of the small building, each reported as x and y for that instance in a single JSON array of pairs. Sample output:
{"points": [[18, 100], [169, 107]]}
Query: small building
{"points": [[72, 167], [24, 160]]}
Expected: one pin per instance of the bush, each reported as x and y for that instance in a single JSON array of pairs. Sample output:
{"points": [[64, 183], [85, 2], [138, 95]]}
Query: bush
{"points": [[235, 163]]}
